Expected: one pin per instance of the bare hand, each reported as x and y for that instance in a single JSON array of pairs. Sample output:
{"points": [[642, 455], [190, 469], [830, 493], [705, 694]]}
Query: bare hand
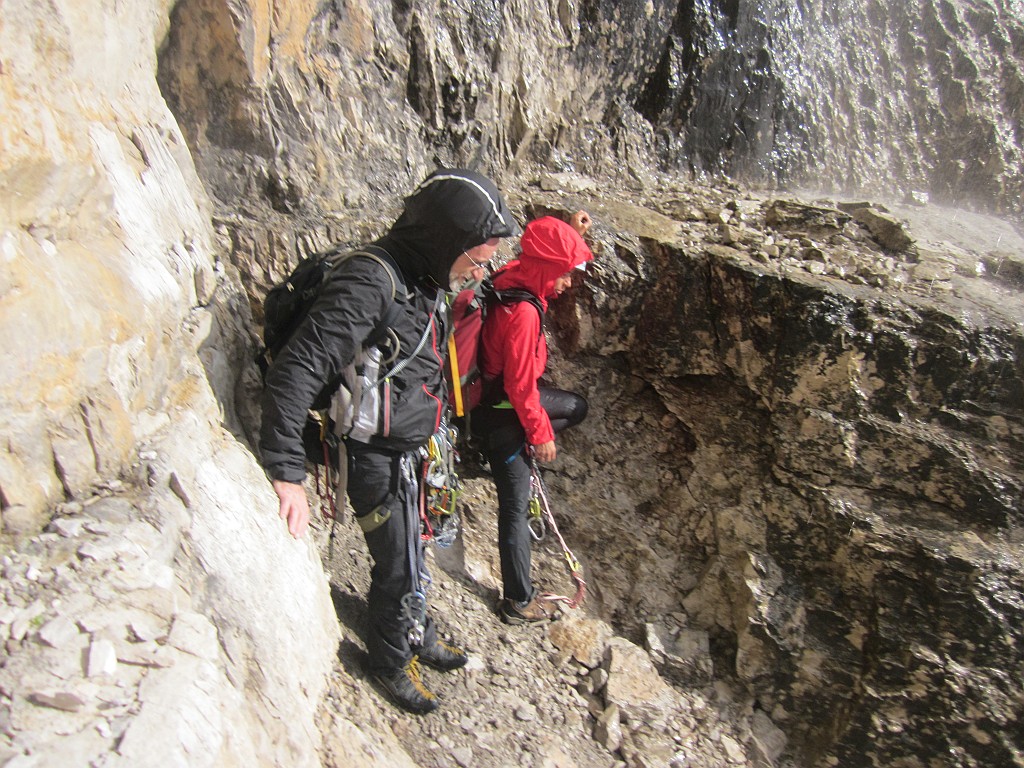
{"points": [[545, 451], [580, 221], [294, 508]]}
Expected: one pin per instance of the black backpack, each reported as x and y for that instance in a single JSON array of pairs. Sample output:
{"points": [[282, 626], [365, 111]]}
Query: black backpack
{"points": [[287, 303], [286, 306]]}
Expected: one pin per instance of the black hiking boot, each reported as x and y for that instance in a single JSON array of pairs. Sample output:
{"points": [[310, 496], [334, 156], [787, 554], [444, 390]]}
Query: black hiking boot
{"points": [[533, 612], [443, 656], [406, 688]]}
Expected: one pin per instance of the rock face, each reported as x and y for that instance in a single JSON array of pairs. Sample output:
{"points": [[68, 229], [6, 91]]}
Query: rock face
{"points": [[162, 618], [826, 465], [857, 96], [807, 424], [295, 115]]}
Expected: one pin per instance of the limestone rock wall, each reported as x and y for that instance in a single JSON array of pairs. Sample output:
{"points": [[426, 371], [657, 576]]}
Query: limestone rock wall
{"points": [[162, 617]]}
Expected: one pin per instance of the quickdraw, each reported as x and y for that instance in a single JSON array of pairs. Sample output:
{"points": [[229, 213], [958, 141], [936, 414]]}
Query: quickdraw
{"points": [[325, 494], [414, 602], [534, 511], [440, 487], [547, 520]]}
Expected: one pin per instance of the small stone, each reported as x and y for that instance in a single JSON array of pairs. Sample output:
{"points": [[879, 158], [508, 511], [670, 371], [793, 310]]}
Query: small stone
{"points": [[445, 742], [147, 628], [733, 749], [68, 527], [58, 633], [608, 729], [933, 271], [100, 527], [178, 489], [559, 658], [68, 702], [94, 551], [526, 713], [102, 659], [463, 756], [147, 655]]}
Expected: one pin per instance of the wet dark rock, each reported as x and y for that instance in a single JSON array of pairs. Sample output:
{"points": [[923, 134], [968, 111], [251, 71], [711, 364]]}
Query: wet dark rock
{"points": [[790, 217], [886, 229]]}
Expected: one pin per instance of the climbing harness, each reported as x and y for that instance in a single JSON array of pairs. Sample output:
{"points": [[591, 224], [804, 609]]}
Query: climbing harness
{"points": [[432, 514], [440, 487], [539, 502]]}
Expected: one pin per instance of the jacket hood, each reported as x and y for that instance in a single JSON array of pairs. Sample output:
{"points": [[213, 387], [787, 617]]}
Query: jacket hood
{"points": [[550, 248], [452, 211]]}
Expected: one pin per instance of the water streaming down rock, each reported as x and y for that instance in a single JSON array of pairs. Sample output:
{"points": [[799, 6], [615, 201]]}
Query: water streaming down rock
{"points": [[858, 95]]}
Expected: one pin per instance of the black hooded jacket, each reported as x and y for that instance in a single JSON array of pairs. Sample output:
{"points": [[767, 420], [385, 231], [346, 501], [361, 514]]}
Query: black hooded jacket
{"points": [[449, 213]]}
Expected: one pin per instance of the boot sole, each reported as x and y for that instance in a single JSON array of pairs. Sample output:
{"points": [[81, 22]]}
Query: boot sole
{"points": [[519, 621]]}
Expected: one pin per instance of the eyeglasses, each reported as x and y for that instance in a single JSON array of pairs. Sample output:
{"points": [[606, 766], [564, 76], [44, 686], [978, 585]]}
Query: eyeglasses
{"points": [[477, 264]]}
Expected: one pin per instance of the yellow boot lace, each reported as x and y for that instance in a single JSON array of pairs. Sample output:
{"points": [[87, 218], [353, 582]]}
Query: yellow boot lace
{"points": [[413, 671]]}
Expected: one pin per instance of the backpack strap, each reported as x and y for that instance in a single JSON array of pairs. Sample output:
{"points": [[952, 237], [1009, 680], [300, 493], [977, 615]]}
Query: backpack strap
{"points": [[399, 367], [494, 389], [514, 296], [399, 291], [386, 260]]}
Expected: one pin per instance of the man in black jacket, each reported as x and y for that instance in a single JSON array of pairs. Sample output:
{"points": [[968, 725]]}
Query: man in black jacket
{"points": [[450, 227]]}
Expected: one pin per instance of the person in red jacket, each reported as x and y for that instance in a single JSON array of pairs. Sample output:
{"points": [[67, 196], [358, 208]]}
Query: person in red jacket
{"points": [[517, 415]]}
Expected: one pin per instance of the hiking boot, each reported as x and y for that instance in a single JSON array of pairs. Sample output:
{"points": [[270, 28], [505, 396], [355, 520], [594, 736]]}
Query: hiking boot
{"points": [[443, 656], [533, 612], [406, 688]]}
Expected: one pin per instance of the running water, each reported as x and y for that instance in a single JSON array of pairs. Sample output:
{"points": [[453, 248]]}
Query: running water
{"points": [[920, 99]]}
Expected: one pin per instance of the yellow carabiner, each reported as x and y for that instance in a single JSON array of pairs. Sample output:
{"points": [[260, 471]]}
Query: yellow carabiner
{"points": [[534, 509]]}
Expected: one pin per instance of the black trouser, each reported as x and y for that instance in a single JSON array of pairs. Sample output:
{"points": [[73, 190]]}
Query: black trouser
{"points": [[504, 442], [377, 489]]}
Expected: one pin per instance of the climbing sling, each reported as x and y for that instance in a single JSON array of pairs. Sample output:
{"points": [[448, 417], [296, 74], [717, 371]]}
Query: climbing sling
{"points": [[542, 518]]}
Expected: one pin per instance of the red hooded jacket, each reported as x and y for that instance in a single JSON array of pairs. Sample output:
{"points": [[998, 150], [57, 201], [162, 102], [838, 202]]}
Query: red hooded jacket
{"points": [[512, 345]]}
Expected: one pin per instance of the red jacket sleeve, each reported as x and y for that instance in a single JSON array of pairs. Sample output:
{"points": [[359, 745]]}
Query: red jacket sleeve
{"points": [[525, 355]]}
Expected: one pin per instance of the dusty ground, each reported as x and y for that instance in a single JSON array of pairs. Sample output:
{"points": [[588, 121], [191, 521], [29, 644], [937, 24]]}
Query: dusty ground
{"points": [[519, 702]]}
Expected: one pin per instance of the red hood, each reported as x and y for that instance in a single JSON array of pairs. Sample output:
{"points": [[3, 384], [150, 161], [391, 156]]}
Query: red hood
{"points": [[550, 248]]}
